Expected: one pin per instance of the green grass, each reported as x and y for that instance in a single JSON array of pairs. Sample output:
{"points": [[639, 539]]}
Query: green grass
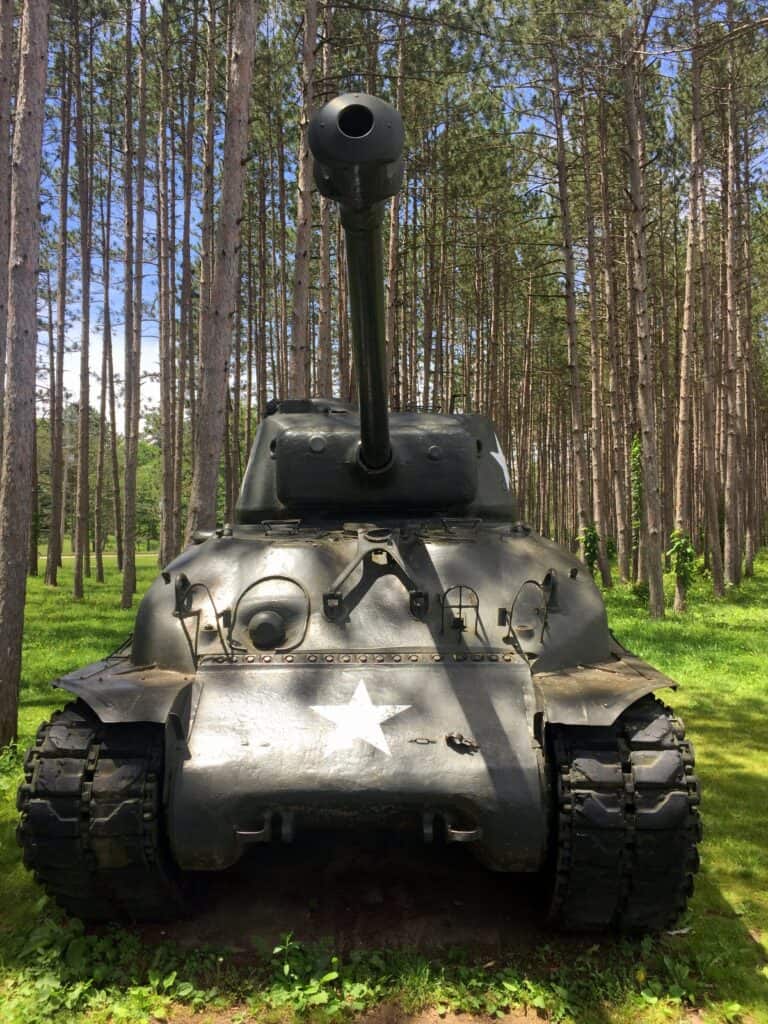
{"points": [[52, 969]]}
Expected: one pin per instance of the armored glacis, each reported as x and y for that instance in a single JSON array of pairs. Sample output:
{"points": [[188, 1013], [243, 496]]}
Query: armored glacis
{"points": [[375, 641]]}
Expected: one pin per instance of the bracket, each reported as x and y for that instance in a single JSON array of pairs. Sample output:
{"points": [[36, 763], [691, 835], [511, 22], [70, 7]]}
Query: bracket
{"points": [[373, 545]]}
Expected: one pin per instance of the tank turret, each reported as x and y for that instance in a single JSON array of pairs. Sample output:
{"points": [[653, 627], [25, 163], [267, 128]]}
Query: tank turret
{"points": [[357, 143], [322, 458]]}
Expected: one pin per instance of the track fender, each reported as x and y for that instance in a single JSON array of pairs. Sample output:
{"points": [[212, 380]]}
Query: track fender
{"points": [[597, 694], [119, 691]]}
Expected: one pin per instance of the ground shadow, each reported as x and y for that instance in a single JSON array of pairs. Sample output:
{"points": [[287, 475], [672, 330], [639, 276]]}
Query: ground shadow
{"points": [[364, 892]]}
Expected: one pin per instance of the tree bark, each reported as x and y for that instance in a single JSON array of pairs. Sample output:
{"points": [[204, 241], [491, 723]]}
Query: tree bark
{"points": [[18, 450], [596, 361], [299, 352], [708, 358], [6, 92], [106, 348], [186, 342], [216, 339], [133, 340], [733, 493], [639, 284], [34, 524], [82, 161], [684, 400], [168, 540], [751, 521], [207, 226], [324, 348], [619, 472], [116, 499], [577, 423], [55, 536]]}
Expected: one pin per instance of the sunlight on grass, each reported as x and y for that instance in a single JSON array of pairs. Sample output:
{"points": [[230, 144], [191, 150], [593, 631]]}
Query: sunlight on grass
{"points": [[50, 969]]}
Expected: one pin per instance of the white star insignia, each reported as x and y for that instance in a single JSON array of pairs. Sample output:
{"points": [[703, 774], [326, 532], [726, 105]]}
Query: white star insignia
{"points": [[498, 455], [358, 720]]}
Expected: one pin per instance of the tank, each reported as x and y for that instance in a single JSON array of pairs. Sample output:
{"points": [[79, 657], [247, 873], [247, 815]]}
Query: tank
{"points": [[375, 643]]}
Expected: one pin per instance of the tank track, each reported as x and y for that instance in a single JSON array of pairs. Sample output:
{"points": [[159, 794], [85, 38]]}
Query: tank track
{"points": [[91, 825], [628, 822]]}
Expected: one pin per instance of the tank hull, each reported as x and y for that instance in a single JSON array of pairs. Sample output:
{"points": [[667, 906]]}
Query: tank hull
{"points": [[450, 746], [418, 746], [453, 679]]}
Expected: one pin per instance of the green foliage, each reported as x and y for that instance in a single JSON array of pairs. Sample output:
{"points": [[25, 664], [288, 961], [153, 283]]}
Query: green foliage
{"points": [[61, 971], [682, 558], [641, 591], [712, 965], [590, 542], [636, 487]]}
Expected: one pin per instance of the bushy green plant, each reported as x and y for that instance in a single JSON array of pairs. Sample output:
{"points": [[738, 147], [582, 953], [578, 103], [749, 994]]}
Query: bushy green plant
{"points": [[590, 542], [636, 471], [682, 558]]}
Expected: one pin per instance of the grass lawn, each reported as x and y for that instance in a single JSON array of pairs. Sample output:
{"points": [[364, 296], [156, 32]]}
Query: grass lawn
{"points": [[715, 968]]}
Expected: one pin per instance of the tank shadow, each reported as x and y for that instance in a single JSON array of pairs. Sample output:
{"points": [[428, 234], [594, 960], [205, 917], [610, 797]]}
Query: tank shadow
{"points": [[369, 892], [364, 892]]}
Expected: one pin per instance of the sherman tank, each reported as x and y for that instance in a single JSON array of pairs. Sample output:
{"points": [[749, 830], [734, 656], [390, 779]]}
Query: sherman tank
{"points": [[375, 642]]}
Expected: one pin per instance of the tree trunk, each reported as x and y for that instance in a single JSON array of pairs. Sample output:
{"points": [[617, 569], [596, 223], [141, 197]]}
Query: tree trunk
{"points": [[55, 536], [133, 340], [577, 423], [596, 360], [116, 498], [284, 388], [106, 347], [186, 343], [684, 400], [6, 92], [34, 524], [324, 347], [18, 450], [619, 473], [708, 359], [751, 520], [733, 492], [168, 540], [639, 283], [206, 228], [216, 335], [82, 161], [299, 352]]}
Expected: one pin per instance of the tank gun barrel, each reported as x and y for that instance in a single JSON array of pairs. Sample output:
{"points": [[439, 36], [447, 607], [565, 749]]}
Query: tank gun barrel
{"points": [[357, 141]]}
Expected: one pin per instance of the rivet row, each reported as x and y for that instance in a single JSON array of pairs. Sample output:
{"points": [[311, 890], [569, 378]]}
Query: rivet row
{"points": [[362, 659]]}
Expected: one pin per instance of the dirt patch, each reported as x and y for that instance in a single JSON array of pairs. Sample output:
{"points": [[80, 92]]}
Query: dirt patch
{"points": [[387, 1013], [183, 1015], [367, 894]]}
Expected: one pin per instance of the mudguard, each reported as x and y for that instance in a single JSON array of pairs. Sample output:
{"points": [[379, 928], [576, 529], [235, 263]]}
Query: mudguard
{"points": [[119, 691], [597, 694]]}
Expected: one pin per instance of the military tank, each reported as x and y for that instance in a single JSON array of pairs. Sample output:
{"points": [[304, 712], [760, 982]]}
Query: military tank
{"points": [[375, 642]]}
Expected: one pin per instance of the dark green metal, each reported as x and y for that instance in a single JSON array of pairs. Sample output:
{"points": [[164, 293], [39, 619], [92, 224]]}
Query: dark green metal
{"points": [[366, 294], [357, 141]]}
